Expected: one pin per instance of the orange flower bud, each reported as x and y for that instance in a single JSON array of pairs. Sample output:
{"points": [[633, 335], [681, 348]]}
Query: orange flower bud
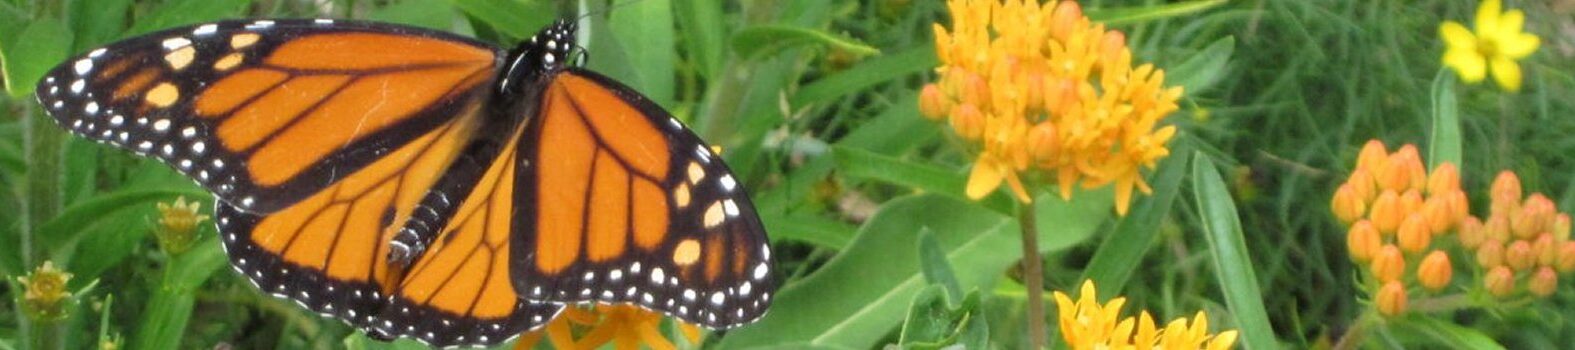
{"points": [[1110, 48], [1363, 241], [1459, 204], [1438, 215], [1065, 18], [1546, 250], [1396, 174], [1362, 182], [1518, 255], [1535, 217], [1042, 141], [1566, 257], [1060, 95], [1386, 212], [1414, 236], [1347, 205], [1410, 202], [933, 103], [1374, 157], [1561, 227], [1444, 179], [1389, 264], [1391, 298], [968, 121], [975, 91], [1472, 233], [1543, 282], [1500, 281], [1497, 228], [1505, 192], [1411, 162], [1435, 271], [1490, 254]]}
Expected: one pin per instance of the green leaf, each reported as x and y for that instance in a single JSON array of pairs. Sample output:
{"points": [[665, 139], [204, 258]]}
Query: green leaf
{"points": [[169, 309], [515, 19], [809, 228], [773, 38], [1444, 140], [932, 262], [866, 74], [429, 14], [937, 321], [1443, 334], [177, 13], [644, 28], [97, 22], [862, 293], [1203, 69], [1232, 265], [1125, 15], [41, 46], [700, 21], [861, 164], [1122, 251]]}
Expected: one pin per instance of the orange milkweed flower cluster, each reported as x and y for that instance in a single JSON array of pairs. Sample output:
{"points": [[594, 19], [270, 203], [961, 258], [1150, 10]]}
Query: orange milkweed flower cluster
{"points": [[1396, 209], [1525, 240], [1041, 88], [591, 327], [1087, 324]]}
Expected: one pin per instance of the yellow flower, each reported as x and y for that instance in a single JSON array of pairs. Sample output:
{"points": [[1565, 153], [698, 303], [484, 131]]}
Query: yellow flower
{"points": [[1043, 92], [590, 327], [45, 296], [178, 225], [1496, 45], [1085, 324]]}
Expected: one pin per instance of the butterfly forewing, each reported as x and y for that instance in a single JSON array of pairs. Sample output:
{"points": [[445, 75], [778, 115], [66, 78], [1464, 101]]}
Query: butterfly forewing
{"points": [[623, 204]]}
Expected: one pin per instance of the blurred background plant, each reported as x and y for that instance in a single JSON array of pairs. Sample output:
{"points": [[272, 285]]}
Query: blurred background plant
{"points": [[816, 104]]}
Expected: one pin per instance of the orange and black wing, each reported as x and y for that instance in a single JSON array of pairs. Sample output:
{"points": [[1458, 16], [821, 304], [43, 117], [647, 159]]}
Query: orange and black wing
{"points": [[621, 203], [267, 113]]}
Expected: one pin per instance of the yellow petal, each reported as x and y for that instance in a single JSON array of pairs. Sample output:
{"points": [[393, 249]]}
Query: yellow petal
{"points": [[1507, 73], [1468, 64], [1518, 45], [1487, 16], [1223, 341], [1510, 23], [1455, 36], [985, 178]]}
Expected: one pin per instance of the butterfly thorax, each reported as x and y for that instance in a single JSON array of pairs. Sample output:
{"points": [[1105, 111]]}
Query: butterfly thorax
{"points": [[537, 58]]}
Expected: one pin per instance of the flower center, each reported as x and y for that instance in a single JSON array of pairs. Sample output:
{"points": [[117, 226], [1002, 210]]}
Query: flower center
{"points": [[1487, 47]]}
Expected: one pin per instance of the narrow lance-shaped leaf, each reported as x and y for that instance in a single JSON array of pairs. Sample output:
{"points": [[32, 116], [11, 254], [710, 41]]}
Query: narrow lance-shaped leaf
{"points": [[1232, 265]]}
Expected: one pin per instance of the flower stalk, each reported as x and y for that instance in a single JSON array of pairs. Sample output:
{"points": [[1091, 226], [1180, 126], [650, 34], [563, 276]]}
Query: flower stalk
{"points": [[1033, 276]]}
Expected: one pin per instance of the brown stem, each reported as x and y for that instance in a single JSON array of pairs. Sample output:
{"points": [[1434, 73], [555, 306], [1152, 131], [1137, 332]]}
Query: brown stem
{"points": [[1033, 276]]}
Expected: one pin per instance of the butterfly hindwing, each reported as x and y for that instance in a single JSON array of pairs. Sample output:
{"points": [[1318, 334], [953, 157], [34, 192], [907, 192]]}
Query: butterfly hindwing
{"points": [[266, 113], [623, 204]]}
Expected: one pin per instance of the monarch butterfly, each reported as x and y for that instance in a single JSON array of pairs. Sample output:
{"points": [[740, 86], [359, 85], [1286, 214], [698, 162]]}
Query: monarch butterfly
{"points": [[415, 183]]}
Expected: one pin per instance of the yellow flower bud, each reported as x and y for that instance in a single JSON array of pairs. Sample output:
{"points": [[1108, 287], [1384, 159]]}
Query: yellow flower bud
{"points": [[1391, 298], [1543, 282], [1410, 202], [1534, 217], [1347, 205], [1497, 228], [1435, 271], [1505, 192], [1561, 227], [968, 121], [1546, 250], [1386, 212], [1414, 236], [1500, 281], [1389, 264], [1490, 254], [933, 103], [1363, 241], [1566, 262], [178, 225], [1518, 255], [1042, 142], [1444, 179], [1459, 204], [1396, 174], [44, 296], [1438, 215], [1374, 157], [1362, 182], [1410, 162], [1471, 232]]}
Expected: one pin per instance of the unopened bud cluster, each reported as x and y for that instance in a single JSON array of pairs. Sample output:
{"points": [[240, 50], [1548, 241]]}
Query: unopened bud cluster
{"points": [[1523, 245], [1397, 210]]}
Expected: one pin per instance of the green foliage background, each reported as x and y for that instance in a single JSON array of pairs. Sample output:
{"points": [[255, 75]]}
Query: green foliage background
{"points": [[813, 102]]}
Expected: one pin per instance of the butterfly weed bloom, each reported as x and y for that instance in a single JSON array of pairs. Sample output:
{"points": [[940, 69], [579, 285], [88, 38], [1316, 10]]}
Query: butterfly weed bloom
{"points": [[1397, 211], [591, 327], [1043, 91], [178, 225], [1524, 243], [1087, 324], [44, 296], [1495, 46]]}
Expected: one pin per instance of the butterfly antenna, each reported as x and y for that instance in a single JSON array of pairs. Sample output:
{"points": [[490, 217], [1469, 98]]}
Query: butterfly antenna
{"points": [[581, 55]]}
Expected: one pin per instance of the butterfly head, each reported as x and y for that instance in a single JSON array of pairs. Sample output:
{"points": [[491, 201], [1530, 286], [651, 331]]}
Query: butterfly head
{"points": [[547, 51]]}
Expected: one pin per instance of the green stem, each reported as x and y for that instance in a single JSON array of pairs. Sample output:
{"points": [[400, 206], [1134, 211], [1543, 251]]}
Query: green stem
{"points": [[1033, 276], [1353, 337], [41, 201], [1445, 303]]}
